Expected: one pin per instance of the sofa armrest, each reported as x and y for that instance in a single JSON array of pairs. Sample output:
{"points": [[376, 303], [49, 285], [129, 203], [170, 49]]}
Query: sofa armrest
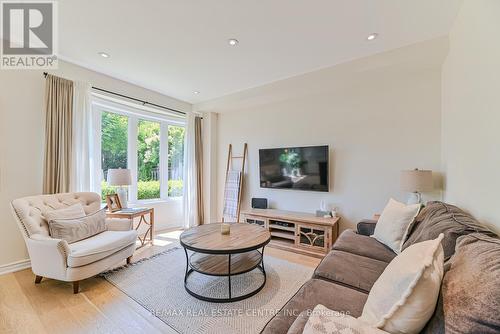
{"points": [[366, 227], [119, 224], [48, 256]]}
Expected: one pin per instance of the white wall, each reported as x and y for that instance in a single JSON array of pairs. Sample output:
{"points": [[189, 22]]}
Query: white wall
{"points": [[379, 115], [22, 141], [471, 111]]}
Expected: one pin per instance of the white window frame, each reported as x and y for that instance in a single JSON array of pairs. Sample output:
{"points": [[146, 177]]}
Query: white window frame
{"points": [[135, 113]]}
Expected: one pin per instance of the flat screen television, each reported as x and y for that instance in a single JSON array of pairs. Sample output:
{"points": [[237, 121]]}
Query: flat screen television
{"points": [[300, 168]]}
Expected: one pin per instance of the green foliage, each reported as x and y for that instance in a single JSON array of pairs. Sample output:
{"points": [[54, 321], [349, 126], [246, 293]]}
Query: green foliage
{"points": [[175, 145], [147, 189], [114, 141], [148, 149]]}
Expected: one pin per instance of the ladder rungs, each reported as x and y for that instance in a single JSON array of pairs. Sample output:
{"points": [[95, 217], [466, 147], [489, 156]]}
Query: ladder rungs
{"points": [[237, 157]]}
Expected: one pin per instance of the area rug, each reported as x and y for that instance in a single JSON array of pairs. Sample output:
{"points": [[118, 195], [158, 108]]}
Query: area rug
{"points": [[157, 284]]}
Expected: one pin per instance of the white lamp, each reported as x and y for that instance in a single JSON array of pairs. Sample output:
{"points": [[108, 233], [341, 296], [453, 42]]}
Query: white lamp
{"points": [[416, 181], [120, 178]]}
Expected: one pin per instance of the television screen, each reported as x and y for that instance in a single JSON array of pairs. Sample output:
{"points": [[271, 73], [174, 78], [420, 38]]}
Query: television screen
{"points": [[302, 168]]}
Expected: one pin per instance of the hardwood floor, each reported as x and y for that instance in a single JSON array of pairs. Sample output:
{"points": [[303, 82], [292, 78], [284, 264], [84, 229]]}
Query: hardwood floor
{"points": [[51, 306]]}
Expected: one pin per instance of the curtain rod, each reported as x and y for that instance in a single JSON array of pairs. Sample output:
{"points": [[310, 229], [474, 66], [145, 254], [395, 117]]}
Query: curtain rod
{"points": [[133, 98]]}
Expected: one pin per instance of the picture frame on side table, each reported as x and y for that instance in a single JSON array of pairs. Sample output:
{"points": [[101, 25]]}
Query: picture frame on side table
{"points": [[113, 202]]}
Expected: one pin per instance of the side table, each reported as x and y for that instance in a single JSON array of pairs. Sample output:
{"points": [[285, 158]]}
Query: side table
{"points": [[131, 213]]}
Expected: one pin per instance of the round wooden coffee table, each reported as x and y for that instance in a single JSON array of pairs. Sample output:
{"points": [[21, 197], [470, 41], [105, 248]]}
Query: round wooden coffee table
{"points": [[215, 254]]}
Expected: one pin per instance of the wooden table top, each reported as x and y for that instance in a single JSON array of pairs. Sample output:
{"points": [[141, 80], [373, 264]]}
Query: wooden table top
{"points": [[208, 238]]}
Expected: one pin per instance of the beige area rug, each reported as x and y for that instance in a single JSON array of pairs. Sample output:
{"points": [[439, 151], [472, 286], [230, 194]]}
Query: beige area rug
{"points": [[157, 284]]}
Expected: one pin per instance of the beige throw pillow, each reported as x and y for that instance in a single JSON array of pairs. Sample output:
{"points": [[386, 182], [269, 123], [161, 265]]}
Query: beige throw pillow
{"points": [[75, 229], [394, 222], [72, 211], [325, 321], [404, 297]]}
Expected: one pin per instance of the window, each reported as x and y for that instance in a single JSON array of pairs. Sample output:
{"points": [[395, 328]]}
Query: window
{"points": [[175, 160], [148, 160], [114, 138], [151, 145]]}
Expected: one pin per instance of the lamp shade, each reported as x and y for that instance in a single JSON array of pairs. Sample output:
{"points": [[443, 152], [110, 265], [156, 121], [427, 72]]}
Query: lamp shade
{"points": [[119, 177], [416, 180]]}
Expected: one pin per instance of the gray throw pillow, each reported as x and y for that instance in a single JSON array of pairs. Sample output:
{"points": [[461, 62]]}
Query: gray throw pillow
{"points": [[470, 290], [75, 229]]}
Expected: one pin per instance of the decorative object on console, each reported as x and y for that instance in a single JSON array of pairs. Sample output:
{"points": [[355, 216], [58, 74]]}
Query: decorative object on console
{"points": [[259, 203], [323, 210], [404, 297], [120, 178], [416, 181], [113, 202], [394, 224]]}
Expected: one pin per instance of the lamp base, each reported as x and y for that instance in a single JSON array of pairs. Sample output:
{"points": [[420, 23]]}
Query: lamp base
{"points": [[123, 195], [414, 198]]}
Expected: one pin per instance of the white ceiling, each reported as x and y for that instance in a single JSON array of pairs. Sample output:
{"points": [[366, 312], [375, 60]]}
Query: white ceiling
{"points": [[177, 47]]}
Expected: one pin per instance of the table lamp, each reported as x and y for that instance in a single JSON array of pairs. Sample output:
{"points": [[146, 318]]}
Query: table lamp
{"points": [[120, 178], [416, 181]]}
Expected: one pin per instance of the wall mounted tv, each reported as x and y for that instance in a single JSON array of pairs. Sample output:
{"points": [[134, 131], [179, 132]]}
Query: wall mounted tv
{"points": [[300, 168]]}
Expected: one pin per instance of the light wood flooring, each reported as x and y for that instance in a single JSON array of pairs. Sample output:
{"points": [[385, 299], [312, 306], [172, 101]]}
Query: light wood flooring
{"points": [[51, 307]]}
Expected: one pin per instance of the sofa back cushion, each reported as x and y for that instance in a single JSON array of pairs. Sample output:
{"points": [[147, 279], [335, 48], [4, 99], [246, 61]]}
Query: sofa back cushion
{"points": [[470, 296], [438, 217], [29, 210]]}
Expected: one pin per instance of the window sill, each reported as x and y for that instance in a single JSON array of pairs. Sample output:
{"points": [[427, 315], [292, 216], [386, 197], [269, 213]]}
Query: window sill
{"points": [[143, 202]]}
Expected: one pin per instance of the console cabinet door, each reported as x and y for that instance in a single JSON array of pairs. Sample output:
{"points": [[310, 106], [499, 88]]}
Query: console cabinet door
{"points": [[312, 237]]}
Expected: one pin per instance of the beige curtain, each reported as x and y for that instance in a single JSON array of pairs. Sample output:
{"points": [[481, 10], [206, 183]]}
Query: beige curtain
{"points": [[58, 134], [198, 151]]}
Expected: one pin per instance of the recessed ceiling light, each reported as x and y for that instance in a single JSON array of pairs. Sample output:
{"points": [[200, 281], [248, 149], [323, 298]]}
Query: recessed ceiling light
{"points": [[103, 54], [371, 37], [196, 92], [232, 41]]}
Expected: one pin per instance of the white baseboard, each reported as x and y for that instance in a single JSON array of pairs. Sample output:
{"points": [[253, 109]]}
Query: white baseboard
{"points": [[15, 266]]}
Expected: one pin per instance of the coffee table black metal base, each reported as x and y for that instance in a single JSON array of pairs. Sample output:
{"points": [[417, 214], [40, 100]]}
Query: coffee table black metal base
{"points": [[196, 262]]}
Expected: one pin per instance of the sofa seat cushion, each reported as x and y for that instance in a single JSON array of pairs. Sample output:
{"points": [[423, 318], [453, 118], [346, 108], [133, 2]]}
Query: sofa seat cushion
{"points": [[438, 217], [99, 246], [312, 293], [349, 269], [352, 242]]}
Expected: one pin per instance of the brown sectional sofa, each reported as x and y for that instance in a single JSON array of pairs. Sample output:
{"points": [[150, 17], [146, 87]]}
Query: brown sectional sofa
{"points": [[345, 276]]}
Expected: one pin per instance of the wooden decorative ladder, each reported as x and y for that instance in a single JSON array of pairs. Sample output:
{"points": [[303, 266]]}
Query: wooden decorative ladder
{"points": [[233, 186]]}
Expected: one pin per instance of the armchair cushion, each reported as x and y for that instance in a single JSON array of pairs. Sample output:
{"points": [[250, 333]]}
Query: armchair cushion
{"points": [[75, 229], [99, 246]]}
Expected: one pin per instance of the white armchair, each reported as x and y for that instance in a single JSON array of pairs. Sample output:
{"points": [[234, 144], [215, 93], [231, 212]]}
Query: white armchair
{"points": [[55, 258]]}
